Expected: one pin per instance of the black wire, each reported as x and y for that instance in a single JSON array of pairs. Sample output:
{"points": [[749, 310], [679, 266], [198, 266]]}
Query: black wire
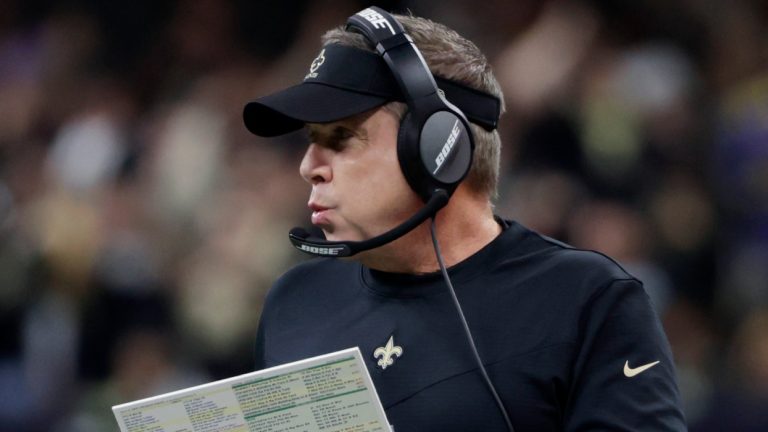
{"points": [[471, 341]]}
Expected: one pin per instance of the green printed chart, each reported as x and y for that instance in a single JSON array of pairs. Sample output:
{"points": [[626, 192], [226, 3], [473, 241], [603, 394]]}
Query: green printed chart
{"points": [[329, 393]]}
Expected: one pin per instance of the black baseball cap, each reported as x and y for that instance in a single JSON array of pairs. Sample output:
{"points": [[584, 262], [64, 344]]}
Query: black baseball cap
{"points": [[344, 81]]}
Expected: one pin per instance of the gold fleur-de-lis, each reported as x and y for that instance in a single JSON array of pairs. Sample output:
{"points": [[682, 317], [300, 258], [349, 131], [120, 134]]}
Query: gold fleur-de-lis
{"points": [[387, 353]]}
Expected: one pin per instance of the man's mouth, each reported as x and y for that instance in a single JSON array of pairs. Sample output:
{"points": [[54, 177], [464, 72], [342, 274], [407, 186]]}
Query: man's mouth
{"points": [[320, 214]]}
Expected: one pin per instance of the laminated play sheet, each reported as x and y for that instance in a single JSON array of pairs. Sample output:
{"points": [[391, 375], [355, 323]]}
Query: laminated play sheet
{"points": [[330, 393]]}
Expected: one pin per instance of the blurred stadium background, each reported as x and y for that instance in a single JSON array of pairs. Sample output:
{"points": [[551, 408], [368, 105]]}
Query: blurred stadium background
{"points": [[141, 225]]}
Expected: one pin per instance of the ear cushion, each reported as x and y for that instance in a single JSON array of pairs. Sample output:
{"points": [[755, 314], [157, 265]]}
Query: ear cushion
{"points": [[409, 156], [401, 132]]}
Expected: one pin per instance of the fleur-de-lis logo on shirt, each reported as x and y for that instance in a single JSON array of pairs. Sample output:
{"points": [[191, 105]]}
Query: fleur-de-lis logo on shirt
{"points": [[388, 353]]}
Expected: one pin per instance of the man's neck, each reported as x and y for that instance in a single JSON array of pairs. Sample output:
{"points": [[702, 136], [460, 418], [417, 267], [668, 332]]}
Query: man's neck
{"points": [[464, 226]]}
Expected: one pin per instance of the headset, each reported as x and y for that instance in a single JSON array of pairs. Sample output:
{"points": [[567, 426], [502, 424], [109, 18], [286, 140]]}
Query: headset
{"points": [[435, 148], [435, 144]]}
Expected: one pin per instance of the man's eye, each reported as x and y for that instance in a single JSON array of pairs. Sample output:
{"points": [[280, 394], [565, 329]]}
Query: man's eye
{"points": [[338, 139], [335, 140], [343, 134]]}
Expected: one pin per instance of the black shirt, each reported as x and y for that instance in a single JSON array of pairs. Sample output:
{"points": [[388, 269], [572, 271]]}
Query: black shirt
{"points": [[558, 330]]}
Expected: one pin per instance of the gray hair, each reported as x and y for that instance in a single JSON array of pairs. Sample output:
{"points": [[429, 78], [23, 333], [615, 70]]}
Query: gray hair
{"points": [[452, 57]]}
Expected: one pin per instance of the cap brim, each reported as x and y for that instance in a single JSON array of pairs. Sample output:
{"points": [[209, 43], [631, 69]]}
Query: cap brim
{"points": [[288, 110]]}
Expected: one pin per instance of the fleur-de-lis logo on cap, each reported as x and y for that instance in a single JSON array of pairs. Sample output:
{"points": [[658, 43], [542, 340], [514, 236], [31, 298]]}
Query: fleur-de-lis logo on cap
{"points": [[388, 353], [317, 62]]}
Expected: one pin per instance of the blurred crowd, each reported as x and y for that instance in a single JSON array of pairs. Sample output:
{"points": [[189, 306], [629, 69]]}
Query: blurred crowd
{"points": [[141, 224]]}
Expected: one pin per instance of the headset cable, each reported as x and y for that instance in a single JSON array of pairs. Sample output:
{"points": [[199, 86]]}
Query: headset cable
{"points": [[471, 341]]}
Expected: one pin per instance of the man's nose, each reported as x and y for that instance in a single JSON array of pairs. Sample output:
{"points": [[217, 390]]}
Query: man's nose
{"points": [[315, 167]]}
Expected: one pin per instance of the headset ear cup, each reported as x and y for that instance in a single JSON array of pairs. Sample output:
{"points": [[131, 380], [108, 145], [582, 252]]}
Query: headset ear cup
{"points": [[436, 154], [446, 149]]}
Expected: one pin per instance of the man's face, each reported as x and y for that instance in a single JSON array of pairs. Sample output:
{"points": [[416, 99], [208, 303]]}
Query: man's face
{"points": [[358, 190]]}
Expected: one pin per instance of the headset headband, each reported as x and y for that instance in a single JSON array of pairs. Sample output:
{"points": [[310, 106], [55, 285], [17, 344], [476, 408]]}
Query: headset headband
{"points": [[397, 49]]}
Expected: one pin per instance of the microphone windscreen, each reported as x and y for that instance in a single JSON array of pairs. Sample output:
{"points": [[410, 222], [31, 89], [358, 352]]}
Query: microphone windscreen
{"points": [[299, 232]]}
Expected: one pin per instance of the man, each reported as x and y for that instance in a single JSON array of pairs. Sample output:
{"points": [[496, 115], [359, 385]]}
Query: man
{"points": [[569, 340]]}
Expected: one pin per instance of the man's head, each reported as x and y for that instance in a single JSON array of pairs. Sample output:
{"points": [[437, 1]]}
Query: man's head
{"points": [[348, 62], [373, 161]]}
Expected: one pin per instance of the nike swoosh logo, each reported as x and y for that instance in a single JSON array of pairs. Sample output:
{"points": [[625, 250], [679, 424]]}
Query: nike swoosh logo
{"points": [[630, 372]]}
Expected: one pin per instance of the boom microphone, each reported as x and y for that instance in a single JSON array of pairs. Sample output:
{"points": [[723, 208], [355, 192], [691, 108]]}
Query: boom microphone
{"points": [[302, 240]]}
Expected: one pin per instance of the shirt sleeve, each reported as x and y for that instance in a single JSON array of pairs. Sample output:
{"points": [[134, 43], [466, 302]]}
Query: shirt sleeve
{"points": [[624, 375]]}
